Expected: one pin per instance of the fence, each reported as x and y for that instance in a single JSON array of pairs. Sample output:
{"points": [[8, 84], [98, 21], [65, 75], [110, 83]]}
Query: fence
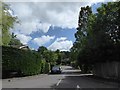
{"points": [[108, 70]]}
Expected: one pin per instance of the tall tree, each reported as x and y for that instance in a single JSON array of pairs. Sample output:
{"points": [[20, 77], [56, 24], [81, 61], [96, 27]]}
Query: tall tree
{"points": [[58, 61], [82, 32], [7, 22], [98, 35], [49, 56]]}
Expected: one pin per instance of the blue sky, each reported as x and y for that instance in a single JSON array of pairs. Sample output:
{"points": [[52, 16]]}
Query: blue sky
{"points": [[50, 24], [58, 32]]}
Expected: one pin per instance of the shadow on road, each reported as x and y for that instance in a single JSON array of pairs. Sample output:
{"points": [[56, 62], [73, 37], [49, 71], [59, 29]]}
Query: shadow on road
{"points": [[74, 77], [60, 89], [69, 79], [86, 83]]}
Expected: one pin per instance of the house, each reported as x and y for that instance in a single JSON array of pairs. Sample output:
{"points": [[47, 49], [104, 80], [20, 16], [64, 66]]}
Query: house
{"points": [[23, 47]]}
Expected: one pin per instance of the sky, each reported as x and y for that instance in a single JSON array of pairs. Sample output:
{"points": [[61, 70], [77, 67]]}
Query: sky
{"points": [[49, 24]]}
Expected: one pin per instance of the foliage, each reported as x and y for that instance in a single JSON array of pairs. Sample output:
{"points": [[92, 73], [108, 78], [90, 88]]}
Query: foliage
{"points": [[59, 57], [53, 57], [98, 35], [25, 61], [46, 67], [14, 40], [7, 22], [65, 57], [49, 56]]}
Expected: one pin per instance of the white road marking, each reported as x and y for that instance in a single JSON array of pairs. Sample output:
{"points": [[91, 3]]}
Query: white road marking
{"points": [[75, 75], [78, 86], [58, 82]]}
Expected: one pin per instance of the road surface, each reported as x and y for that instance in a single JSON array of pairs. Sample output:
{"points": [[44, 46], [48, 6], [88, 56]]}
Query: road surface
{"points": [[70, 78]]}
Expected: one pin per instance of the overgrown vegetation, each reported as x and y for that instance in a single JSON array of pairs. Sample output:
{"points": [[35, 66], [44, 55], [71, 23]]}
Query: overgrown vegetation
{"points": [[23, 61], [28, 62], [6, 23], [97, 36]]}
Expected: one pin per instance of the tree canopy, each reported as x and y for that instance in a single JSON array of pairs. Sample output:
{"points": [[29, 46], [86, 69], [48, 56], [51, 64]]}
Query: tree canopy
{"points": [[6, 23], [98, 35]]}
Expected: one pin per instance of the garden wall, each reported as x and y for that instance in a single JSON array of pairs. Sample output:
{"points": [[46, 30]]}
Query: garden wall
{"points": [[107, 70]]}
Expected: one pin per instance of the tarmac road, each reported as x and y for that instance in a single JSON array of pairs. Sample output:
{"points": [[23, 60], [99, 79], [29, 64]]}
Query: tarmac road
{"points": [[70, 78]]}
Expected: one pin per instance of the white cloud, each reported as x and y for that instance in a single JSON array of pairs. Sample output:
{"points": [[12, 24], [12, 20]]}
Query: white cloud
{"points": [[44, 27], [25, 28], [61, 39], [62, 14], [52, 0], [62, 44], [28, 28], [40, 16], [24, 38], [95, 1], [43, 40]]}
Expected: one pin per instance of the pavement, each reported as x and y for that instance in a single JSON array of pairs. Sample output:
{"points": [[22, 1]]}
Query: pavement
{"points": [[69, 78]]}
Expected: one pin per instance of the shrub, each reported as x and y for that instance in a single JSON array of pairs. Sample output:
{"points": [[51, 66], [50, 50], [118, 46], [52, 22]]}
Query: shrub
{"points": [[45, 67], [25, 61]]}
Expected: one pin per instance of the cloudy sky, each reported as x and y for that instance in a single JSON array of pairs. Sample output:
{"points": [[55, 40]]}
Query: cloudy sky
{"points": [[49, 24]]}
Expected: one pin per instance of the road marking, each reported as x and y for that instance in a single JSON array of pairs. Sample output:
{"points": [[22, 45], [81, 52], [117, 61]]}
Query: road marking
{"points": [[58, 82], [78, 86]]}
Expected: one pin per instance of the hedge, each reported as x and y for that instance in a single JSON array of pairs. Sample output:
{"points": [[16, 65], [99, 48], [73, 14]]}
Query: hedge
{"points": [[26, 62]]}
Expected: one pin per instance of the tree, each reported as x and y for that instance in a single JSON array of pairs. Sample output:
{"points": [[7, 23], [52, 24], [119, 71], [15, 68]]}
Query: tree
{"points": [[44, 52], [53, 57], [82, 34], [49, 56], [7, 22], [107, 32], [42, 49], [98, 35], [58, 61], [14, 40]]}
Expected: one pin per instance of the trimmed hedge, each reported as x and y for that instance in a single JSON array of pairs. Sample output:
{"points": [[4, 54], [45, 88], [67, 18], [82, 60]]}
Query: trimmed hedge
{"points": [[26, 62]]}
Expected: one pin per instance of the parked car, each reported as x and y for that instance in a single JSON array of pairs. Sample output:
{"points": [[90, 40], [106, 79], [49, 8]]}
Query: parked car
{"points": [[56, 69]]}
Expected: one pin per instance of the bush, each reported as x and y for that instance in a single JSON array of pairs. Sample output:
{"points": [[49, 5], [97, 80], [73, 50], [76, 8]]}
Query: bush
{"points": [[45, 67], [25, 61]]}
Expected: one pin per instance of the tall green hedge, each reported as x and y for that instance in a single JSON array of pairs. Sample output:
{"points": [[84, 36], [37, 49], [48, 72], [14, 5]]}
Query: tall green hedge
{"points": [[26, 61], [45, 67]]}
